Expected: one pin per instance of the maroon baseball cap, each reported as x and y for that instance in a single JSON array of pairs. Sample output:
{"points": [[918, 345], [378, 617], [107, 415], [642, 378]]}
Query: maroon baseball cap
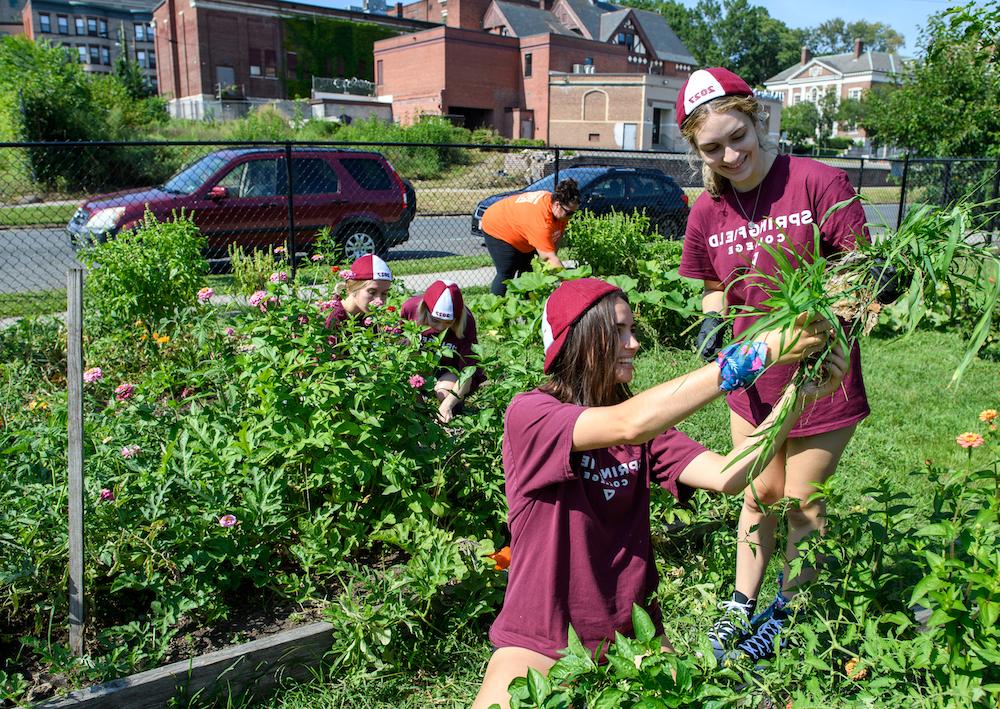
{"points": [[370, 268], [444, 300], [564, 308], [707, 84]]}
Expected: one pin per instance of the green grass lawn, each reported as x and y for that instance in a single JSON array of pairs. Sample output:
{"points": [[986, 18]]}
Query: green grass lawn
{"points": [[37, 214], [915, 415], [15, 305]]}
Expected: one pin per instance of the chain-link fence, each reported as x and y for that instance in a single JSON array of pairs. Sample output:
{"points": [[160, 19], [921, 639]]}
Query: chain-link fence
{"points": [[415, 203]]}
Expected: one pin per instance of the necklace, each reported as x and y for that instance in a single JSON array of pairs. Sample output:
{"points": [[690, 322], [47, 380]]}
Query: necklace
{"points": [[739, 205]]}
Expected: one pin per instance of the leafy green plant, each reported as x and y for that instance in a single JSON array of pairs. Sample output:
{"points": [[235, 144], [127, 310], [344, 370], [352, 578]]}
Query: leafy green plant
{"points": [[147, 273], [252, 270]]}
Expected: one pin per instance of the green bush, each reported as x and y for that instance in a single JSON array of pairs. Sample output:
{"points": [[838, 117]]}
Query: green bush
{"points": [[144, 274]]}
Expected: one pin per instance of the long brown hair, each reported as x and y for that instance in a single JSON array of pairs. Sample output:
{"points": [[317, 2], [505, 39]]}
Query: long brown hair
{"points": [[749, 106], [584, 372]]}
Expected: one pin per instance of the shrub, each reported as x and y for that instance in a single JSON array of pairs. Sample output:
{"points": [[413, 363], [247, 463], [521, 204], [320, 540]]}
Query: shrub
{"points": [[144, 274], [251, 271]]}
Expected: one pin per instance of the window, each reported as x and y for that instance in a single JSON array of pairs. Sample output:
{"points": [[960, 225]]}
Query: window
{"points": [[152, 59], [102, 27], [594, 137], [270, 64], [92, 26], [106, 56], [291, 65], [140, 32], [796, 98], [140, 57], [646, 187], [314, 176], [81, 50], [80, 30], [256, 178], [378, 72], [854, 94], [62, 24], [657, 118], [256, 62], [95, 55], [527, 64], [368, 173], [611, 188], [150, 32], [44, 22]]}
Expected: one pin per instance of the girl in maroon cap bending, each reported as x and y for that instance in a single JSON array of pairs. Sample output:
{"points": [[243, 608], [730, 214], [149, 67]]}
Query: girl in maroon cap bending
{"points": [[441, 309], [580, 454]]}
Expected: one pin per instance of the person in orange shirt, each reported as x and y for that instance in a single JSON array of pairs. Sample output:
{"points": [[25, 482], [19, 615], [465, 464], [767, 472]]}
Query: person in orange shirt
{"points": [[523, 224]]}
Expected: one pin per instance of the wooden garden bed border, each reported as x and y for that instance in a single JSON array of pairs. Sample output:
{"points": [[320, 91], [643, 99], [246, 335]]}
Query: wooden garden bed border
{"points": [[254, 667]]}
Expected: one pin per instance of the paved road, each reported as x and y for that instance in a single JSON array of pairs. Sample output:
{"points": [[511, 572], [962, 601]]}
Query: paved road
{"points": [[36, 259]]}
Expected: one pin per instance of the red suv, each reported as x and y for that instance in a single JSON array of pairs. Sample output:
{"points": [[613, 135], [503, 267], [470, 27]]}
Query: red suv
{"points": [[240, 196]]}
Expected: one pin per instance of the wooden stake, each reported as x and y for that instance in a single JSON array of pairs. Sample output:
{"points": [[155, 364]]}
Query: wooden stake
{"points": [[74, 377]]}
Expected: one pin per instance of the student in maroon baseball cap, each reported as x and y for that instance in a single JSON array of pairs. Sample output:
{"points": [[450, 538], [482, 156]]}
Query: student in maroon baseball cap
{"points": [[756, 198], [441, 309], [580, 454], [366, 282]]}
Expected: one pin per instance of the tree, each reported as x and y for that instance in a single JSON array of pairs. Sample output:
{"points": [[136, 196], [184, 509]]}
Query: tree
{"points": [[948, 104], [800, 122], [827, 114], [837, 36], [128, 71], [850, 113], [732, 33]]}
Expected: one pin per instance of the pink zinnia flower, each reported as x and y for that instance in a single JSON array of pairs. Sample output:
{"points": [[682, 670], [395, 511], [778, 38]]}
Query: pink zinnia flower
{"points": [[130, 451], [280, 250], [331, 340], [324, 305], [230, 331], [94, 374], [124, 392], [279, 277], [969, 440], [303, 320], [257, 297], [186, 392], [416, 381], [205, 294], [107, 495], [377, 302], [316, 257], [987, 416], [368, 322], [227, 520], [346, 275]]}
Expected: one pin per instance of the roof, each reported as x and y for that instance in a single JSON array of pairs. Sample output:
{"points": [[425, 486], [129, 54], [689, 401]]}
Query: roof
{"points": [[610, 22], [666, 43], [869, 61], [525, 20], [590, 14]]}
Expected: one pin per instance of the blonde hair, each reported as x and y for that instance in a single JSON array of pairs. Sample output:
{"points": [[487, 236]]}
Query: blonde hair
{"points": [[749, 106], [344, 289], [424, 318]]}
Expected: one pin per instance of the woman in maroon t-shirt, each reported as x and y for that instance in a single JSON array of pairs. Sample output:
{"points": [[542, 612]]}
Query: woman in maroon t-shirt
{"points": [[442, 309], [580, 454], [366, 282], [753, 198]]}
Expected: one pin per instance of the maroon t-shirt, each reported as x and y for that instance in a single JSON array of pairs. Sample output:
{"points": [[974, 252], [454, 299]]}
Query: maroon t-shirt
{"points": [[721, 245], [462, 355], [580, 549]]}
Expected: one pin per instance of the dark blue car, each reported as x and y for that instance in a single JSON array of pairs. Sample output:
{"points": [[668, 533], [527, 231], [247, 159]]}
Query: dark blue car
{"points": [[621, 189]]}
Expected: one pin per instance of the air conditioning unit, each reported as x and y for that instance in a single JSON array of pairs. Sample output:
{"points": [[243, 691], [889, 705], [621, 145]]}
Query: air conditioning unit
{"points": [[583, 69]]}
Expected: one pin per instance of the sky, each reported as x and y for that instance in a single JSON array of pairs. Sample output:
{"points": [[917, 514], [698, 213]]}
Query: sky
{"points": [[907, 17]]}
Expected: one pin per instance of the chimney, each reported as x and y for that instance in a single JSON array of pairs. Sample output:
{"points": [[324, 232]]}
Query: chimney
{"points": [[806, 56], [399, 9], [858, 46]]}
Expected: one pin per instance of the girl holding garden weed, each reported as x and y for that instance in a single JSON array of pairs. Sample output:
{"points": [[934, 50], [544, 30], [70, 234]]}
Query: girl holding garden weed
{"points": [[757, 202], [580, 454], [525, 223], [364, 284], [441, 309]]}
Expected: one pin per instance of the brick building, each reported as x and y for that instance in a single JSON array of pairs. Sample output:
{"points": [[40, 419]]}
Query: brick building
{"points": [[92, 30], [10, 17], [846, 75], [532, 70], [221, 57]]}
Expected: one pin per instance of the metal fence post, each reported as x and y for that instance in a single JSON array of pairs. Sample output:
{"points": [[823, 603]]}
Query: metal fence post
{"points": [[861, 175], [945, 198], [74, 378], [902, 190], [556, 172], [995, 222], [290, 246]]}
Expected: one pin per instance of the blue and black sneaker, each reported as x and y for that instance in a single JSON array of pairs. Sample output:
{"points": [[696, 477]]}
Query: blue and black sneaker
{"points": [[734, 625], [767, 626]]}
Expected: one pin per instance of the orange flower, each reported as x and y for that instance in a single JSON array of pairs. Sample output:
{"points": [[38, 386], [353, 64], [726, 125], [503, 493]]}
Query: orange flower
{"points": [[501, 558], [988, 416], [161, 339], [969, 440], [852, 671]]}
